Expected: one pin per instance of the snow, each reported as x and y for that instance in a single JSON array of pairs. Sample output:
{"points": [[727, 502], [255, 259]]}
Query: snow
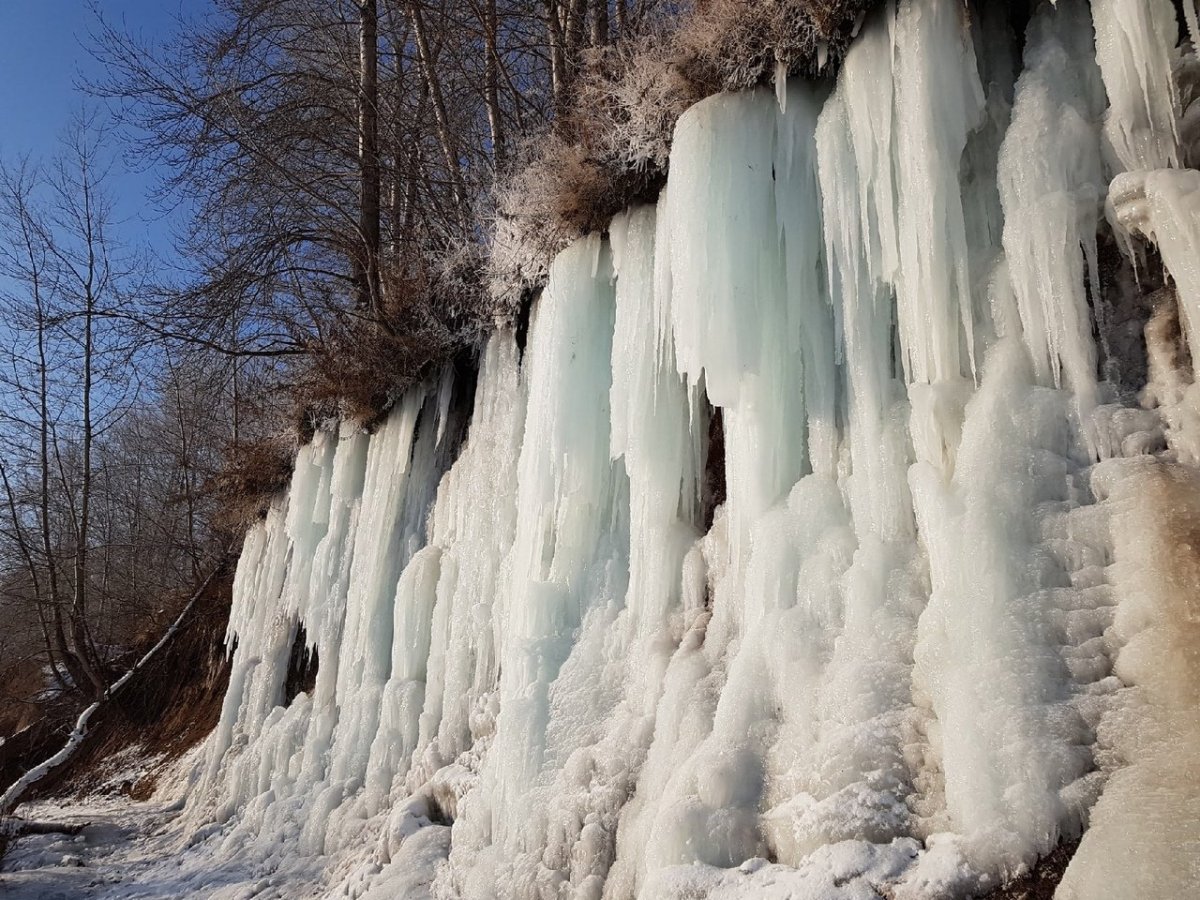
{"points": [[943, 619], [843, 871], [1145, 838], [49, 867], [132, 851]]}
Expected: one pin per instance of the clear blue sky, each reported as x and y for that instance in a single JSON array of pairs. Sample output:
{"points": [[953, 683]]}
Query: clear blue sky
{"points": [[43, 55]]}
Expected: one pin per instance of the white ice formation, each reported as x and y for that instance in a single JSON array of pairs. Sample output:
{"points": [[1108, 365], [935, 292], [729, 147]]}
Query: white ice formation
{"points": [[810, 549]]}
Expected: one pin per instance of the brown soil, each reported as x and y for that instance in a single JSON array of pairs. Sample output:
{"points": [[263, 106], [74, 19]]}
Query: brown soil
{"points": [[1041, 883]]}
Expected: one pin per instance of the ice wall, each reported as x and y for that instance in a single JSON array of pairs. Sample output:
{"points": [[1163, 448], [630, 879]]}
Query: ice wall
{"points": [[806, 549]]}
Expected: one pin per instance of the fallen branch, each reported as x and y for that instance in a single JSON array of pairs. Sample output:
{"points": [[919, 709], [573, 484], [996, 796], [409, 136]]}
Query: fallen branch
{"points": [[12, 797], [14, 828]]}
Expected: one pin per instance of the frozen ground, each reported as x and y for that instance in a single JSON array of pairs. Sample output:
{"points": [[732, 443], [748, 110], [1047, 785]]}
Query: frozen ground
{"points": [[125, 851], [133, 850], [128, 850]]}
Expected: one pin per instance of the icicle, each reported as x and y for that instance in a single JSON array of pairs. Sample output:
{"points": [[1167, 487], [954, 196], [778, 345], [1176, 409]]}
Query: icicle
{"points": [[781, 76], [877, 490], [1051, 182], [939, 101], [998, 61], [1165, 207], [884, 663], [1135, 46], [810, 315]]}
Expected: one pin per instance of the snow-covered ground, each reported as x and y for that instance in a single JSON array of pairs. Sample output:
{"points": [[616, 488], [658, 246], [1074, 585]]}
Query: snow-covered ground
{"points": [[126, 850], [131, 851]]}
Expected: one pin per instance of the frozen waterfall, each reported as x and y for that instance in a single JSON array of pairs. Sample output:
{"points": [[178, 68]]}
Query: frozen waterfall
{"points": [[816, 544]]}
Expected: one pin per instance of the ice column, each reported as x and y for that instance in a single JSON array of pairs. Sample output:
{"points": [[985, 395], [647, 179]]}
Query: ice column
{"points": [[729, 305], [986, 654], [326, 560], [571, 548], [862, 711], [656, 424], [471, 529], [401, 475], [1051, 184], [1135, 46]]}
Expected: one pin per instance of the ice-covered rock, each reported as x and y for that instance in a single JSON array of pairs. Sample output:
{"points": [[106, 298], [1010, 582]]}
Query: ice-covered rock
{"points": [[923, 627]]}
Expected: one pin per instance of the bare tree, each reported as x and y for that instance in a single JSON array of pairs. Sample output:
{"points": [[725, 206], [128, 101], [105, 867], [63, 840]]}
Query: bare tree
{"points": [[100, 521], [340, 158]]}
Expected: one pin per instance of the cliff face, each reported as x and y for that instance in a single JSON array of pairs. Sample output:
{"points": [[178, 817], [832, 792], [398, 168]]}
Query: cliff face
{"points": [[943, 620]]}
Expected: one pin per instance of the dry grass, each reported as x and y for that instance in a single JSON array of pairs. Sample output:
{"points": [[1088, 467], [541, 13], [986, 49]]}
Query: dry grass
{"points": [[364, 363], [253, 475]]}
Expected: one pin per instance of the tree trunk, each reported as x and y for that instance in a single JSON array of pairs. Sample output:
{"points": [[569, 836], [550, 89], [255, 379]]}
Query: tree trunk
{"points": [[403, 130], [367, 266], [55, 598], [491, 29], [574, 32], [412, 179], [558, 62], [599, 22], [442, 119], [78, 618]]}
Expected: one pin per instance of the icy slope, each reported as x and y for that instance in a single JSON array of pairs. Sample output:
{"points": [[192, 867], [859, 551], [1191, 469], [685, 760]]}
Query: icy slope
{"points": [[923, 628]]}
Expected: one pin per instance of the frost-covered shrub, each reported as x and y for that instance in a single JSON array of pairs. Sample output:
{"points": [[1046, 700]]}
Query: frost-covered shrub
{"points": [[611, 150], [568, 188]]}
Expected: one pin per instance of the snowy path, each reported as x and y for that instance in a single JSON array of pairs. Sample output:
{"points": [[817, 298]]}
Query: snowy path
{"points": [[128, 850], [111, 857]]}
